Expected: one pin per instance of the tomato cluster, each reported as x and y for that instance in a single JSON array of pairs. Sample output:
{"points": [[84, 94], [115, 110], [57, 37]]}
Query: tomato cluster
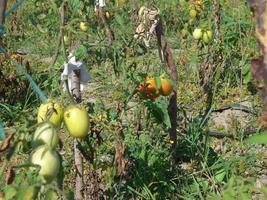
{"points": [[205, 36], [150, 90], [45, 139]]}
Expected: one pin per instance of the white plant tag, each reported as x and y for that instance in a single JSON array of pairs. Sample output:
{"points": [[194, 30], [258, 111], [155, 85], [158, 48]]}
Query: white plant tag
{"points": [[73, 65], [102, 3]]}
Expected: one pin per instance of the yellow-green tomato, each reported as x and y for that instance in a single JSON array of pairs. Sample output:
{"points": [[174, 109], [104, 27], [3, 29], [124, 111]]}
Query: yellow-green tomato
{"points": [[83, 26], [45, 134], [66, 40], [51, 112], [76, 120], [207, 37], [192, 13], [197, 33], [209, 34], [48, 160]]}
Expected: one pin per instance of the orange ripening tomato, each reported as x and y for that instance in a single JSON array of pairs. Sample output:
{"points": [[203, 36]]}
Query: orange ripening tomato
{"points": [[149, 89], [166, 87]]}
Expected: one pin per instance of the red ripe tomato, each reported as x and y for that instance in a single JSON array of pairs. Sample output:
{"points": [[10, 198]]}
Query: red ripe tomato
{"points": [[149, 89]]}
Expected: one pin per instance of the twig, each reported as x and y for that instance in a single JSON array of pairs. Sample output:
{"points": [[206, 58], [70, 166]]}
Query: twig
{"points": [[60, 34], [172, 107], [10, 175], [237, 107], [7, 143], [229, 135], [107, 29]]}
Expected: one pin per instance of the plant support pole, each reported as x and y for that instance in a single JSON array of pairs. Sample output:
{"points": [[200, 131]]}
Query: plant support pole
{"points": [[3, 4], [168, 57], [79, 186], [259, 65]]}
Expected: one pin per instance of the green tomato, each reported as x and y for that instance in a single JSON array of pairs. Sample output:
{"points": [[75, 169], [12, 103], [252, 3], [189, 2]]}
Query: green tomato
{"points": [[192, 13], [48, 160], [197, 33], [45, 134], [83, 26], [50, 111], [209, 34], [66, 40], [76, 120], [207, 37]]}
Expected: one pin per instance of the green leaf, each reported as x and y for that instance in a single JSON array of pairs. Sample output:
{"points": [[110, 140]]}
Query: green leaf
{"points": [[258, 139], [158, 82], [248, 77], [80, 53], [265, 191], [220, 175], [10, 192], [75, 5], [119, 19], [160, 111]]}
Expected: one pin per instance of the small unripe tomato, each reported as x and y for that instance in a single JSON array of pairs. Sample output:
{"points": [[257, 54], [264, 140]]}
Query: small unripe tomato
{"points": [[197, 33], [66, 40], [192, 13], [107, 15], [207, 36], [83, 26]]}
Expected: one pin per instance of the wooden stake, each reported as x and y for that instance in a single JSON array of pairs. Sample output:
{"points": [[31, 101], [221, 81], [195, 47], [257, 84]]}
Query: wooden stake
{"points": [[168, 57], [79, 185]]}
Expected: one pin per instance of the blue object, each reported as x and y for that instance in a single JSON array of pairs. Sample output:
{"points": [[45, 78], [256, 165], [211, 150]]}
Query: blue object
{"points": [[2, 132], [2, 30]]}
